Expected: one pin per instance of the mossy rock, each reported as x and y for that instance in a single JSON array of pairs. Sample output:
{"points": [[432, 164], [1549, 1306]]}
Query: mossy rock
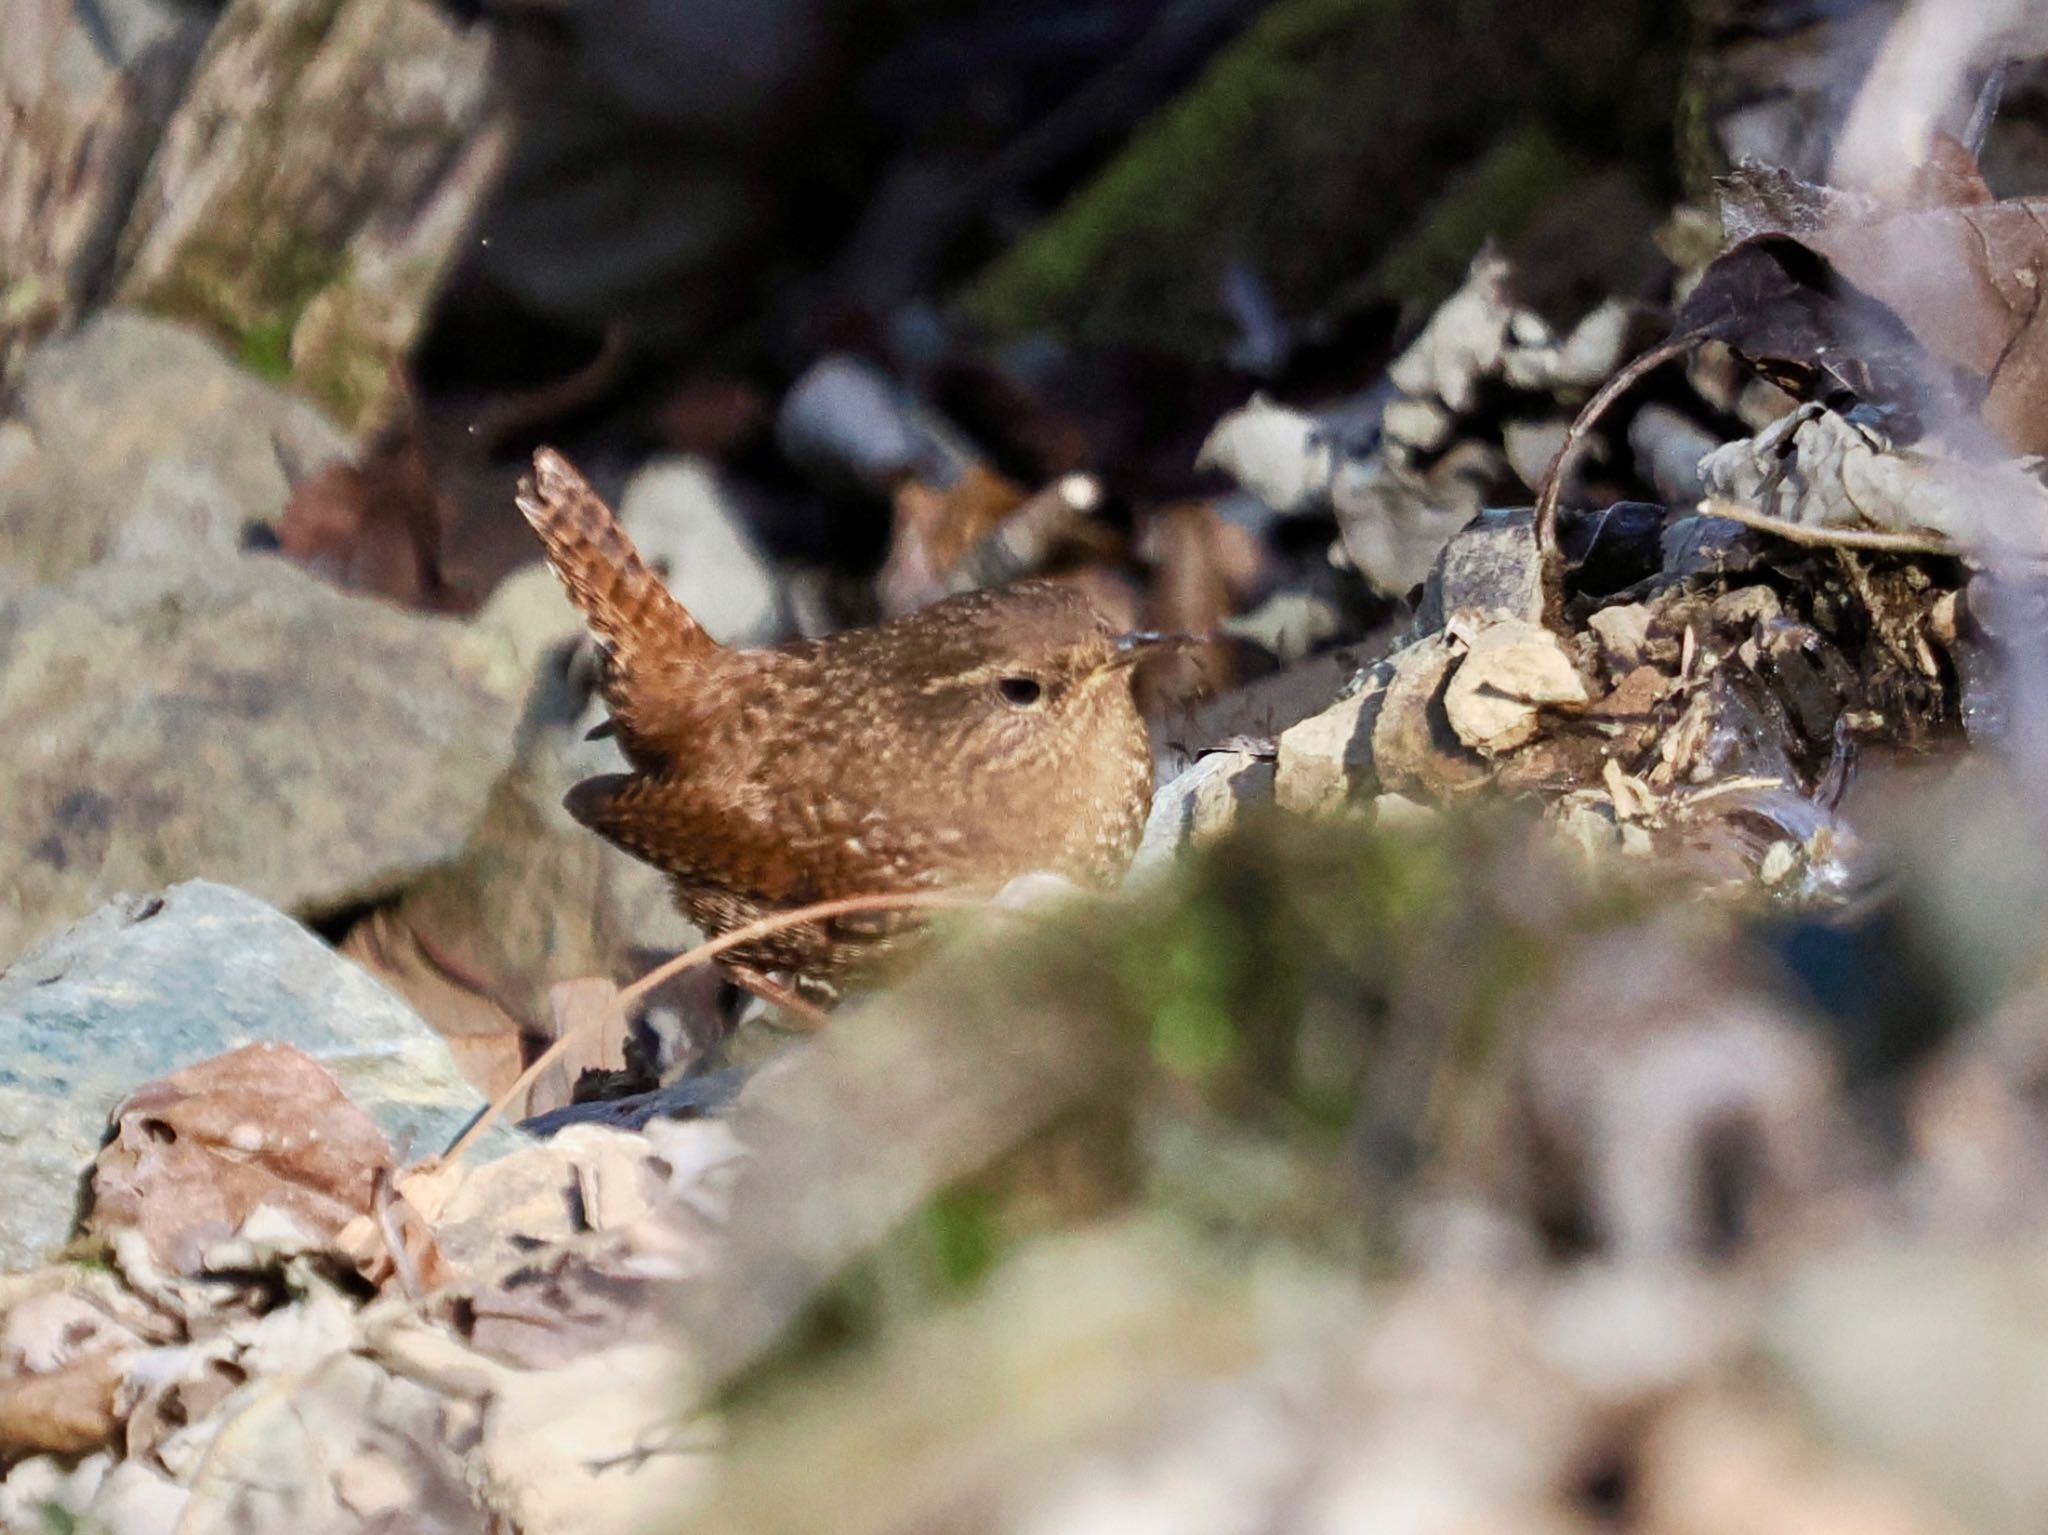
{"points": [[1314, 149], [308, 233]]}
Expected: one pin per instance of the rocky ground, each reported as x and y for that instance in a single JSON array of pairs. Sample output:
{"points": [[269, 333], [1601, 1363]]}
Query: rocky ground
{"points": [[1568, 1053]]}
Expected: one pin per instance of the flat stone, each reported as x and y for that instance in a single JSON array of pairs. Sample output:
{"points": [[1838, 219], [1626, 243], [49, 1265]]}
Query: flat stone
{"points": [[147, 443], [146, 986], [1201, 804], [1326, 761], [241, 721]]}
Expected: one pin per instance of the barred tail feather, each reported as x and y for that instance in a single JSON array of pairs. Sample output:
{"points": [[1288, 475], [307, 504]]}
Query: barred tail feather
{"points": [[622, 599]]}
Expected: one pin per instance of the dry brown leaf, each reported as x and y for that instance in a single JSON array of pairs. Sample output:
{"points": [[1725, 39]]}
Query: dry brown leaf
{"points": [[1967, 283], [63, 1413], [373, 528], [560, 1306], [1889, 302], [194, 1154], [481, 1034], [1948, 178], [936, 527]]}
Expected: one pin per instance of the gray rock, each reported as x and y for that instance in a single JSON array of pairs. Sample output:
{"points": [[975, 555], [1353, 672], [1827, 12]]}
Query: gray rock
{"points": [[1491, 565], [533, 897], [147, 443], [1325, 761], [1394, 519], [847, 420], [686, 522], [146, 986], [1200, 804], [243, 722]]}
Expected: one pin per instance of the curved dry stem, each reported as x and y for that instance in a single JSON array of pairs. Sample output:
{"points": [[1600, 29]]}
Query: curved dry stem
{"points": [[1549, 557], [1873, 540], [760, 927]]}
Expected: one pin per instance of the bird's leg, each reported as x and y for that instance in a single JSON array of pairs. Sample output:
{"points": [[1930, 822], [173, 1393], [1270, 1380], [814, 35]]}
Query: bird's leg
{"points": [[775, 994]]}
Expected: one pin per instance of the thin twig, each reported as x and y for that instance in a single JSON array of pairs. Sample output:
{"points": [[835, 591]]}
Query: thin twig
{"points": [[1550, 557], [760, 927], [1874, 540], [383, 1205]]}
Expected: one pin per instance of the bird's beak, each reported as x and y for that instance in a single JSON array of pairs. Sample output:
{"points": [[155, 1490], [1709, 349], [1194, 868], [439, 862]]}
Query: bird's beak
{"points": [[1142, 645]]}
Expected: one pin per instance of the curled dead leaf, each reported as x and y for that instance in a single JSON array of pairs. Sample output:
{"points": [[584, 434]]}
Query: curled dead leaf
{"points": [[195, 1154]]}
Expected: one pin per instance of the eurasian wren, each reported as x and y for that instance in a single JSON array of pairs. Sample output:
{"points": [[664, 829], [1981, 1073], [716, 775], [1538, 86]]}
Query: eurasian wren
{"points": [[989, 735]]}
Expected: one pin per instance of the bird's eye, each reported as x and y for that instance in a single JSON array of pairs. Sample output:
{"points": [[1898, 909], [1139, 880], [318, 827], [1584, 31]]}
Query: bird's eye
{"points": [[1020, 692]]}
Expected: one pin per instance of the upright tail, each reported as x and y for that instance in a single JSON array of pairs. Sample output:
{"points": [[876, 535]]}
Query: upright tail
{"points": [[624, 602]]}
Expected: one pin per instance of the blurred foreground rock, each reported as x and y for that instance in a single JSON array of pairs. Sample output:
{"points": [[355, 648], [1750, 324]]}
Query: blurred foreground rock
{"points": [[1929, 1359], [135, 438], [147, 985], [1334, 1181], [240, 720]]}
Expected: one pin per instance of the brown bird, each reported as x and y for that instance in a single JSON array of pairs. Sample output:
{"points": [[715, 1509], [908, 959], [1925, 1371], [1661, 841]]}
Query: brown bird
{"points": [[989, 735]]}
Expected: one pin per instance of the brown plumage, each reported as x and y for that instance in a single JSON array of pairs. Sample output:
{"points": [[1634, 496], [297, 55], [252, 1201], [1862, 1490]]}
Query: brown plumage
{"points": [[990, 735]]}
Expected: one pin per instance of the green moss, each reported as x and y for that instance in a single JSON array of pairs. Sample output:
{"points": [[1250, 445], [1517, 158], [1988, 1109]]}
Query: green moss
{"points": [[1175, 181], [348, 372], [265, 349], [965, 1235], [1494, 198], [250, 284], [250, 273], [1311, 148]]}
